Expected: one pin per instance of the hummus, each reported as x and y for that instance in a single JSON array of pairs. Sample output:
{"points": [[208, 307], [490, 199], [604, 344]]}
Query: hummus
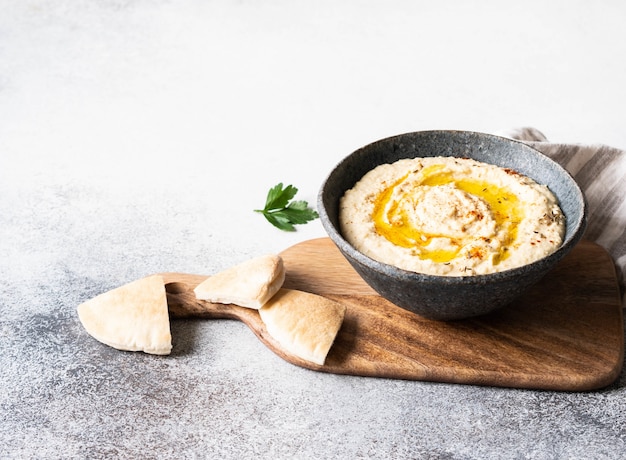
{"points": [[451, 216]]}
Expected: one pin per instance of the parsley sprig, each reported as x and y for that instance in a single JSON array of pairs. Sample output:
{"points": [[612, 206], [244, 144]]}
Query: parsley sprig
{"points": [[282, 212]]}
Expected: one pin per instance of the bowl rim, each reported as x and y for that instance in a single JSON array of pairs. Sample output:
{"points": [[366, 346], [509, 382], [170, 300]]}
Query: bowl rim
{"points": [[350, 252]]}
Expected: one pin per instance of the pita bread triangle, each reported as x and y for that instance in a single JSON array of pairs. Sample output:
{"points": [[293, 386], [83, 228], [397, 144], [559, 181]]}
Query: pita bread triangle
{"points": [[133, 317], [249, 284], [304, 324]]}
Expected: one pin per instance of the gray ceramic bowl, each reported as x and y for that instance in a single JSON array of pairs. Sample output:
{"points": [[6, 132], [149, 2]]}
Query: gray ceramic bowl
{"points": [[452, 297]]}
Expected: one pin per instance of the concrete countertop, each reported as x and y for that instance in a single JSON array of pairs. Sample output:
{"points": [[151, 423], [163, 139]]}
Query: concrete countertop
{"points": [[137, 137]]}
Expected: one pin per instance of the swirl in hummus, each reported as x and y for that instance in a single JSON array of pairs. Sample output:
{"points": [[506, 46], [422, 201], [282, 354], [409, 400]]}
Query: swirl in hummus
{"points": [[451, 216]]}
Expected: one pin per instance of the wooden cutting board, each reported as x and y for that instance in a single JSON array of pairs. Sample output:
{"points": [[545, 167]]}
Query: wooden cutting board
{"points": [[566, 333]]}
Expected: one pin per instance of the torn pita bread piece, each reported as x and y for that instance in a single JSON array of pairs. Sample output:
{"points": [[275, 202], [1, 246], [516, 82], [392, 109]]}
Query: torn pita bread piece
{"points": [[304, 324], [249, 284], [132, 317]]}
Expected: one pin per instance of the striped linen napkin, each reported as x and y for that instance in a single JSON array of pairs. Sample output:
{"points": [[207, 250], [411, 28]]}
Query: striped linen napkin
{"points": [[600, 171]]}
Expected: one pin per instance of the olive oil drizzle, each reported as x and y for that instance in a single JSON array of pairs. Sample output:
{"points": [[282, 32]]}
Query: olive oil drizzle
{"points": [[391, 220]]}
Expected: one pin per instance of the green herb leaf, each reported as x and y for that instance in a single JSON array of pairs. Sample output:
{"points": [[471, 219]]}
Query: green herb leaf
{"points": [[282, 213], [277, 198]]}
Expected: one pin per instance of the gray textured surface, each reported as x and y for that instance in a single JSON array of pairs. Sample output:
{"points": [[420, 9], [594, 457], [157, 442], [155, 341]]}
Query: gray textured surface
{"points": [[221, 392], [123, 130]]}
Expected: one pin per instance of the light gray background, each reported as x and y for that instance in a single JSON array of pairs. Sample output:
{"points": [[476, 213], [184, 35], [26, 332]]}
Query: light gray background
{"points": [[137, 137]]}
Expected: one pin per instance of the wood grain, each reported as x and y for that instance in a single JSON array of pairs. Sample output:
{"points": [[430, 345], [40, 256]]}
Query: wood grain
{"points": [[565, 334]]}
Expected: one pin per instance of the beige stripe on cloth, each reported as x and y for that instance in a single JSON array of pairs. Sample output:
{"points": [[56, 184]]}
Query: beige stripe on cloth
{"points": [[600, 171]]}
